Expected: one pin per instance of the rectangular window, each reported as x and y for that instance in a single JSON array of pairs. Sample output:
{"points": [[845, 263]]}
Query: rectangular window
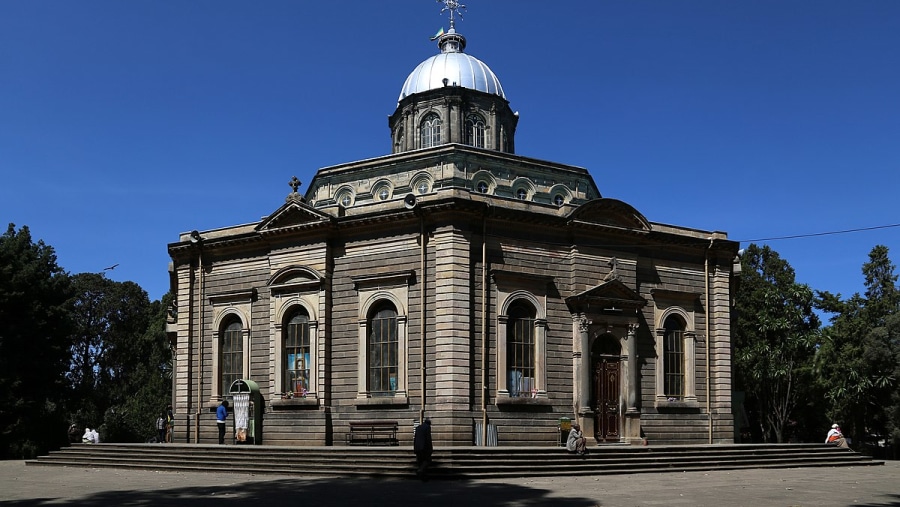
{"points": [[297, 347], [232, 357], [383, 355], [520, 357], [674, 363]]}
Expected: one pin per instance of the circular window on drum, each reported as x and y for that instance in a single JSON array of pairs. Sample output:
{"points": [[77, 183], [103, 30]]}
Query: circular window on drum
{"points": [[421, 185], [522, 193], [382, 192], [345, 198], [483, 182], [561, 195]]}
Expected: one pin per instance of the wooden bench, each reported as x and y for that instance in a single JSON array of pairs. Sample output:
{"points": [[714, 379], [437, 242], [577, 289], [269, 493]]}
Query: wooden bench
{"points": [[373, 432]]}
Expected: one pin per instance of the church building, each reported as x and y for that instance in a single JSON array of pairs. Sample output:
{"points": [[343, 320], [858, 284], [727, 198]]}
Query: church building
{"points": [[496, 294]]}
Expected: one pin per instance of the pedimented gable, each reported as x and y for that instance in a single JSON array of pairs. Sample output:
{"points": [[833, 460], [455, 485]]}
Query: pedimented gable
{"points": [[294, 213], [611, 212], [610, 295]]}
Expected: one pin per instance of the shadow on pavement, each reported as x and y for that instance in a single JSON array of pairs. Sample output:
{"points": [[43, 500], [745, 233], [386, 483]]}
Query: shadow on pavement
{"points": [[323, 492], [894, 503]]}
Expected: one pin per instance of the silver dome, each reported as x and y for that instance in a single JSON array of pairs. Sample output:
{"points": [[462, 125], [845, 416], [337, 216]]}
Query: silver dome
{"points": [[457, 67]]}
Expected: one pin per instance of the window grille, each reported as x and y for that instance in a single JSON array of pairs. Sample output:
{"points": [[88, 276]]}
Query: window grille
{"points": [[297, 350], [476, 132], [520, 351], [673, 353], [232, 355], [383, 352], [431, 131]]}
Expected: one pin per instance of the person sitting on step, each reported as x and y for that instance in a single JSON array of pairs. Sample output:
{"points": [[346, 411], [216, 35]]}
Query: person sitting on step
{"points": [[835, 437], [576, 442]]}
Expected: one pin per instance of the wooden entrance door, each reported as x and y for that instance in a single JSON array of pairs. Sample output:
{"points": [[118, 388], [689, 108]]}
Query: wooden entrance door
{"points": [[606, 398]]}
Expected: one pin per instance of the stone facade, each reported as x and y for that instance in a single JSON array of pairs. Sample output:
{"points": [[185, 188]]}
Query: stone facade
{"points": [[462, 283]]}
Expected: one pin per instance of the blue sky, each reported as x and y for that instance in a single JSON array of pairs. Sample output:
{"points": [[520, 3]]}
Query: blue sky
{"points": [[124, 123]]}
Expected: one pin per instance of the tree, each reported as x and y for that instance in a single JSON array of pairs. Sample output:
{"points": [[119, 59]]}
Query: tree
{"points": [[882, 294], [147, 366], [774, 334], [33, 345], [119, 360], [857, 364], [892, 331]]}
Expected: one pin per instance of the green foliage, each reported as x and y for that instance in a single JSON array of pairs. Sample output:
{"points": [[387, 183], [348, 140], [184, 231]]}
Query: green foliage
{"points": [[33, 345], [774, 332], [77, 349], [120, 358], [148, 387], [858, 361]]}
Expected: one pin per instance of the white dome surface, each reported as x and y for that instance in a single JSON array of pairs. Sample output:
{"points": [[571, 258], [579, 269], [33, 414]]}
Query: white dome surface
{"points": [[458, 68]]}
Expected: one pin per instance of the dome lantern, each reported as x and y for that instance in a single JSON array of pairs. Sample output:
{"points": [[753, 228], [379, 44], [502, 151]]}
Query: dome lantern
{"points": [[452, 97]]}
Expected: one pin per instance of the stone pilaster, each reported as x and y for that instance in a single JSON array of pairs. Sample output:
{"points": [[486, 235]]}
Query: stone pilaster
{"points": [[452, 326]]}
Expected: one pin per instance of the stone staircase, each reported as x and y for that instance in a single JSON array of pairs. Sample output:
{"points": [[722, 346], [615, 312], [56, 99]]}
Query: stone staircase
{"points": [[449, 462]]}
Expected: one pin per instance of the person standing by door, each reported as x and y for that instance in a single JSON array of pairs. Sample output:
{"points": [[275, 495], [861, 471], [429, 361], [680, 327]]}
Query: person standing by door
{"points": [[221, 418]]}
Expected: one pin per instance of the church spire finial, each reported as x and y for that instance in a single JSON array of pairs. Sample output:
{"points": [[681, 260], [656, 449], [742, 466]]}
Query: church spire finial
{"points": [[451, 42], [452, 6]]}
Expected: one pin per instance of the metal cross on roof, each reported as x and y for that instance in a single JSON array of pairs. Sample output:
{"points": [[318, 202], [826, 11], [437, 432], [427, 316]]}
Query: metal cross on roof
{"points": [[452, 6]]}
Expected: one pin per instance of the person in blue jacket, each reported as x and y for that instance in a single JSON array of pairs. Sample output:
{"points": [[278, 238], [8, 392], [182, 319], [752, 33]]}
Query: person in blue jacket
{"points": [[221, 417]]}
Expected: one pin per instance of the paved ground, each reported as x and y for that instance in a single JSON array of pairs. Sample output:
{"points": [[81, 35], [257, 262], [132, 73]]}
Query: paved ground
{"points": [[22, 485]]}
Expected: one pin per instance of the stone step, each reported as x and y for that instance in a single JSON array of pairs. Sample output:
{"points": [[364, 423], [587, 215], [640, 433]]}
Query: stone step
{"points": [[450, 462]]}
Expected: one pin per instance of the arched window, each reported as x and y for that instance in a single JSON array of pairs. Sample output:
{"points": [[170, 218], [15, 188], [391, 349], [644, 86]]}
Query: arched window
{"points": [[383, 353], [673, 357], [232, 351], [476, 132], [297, 353], [430, 131], [520, 364]]}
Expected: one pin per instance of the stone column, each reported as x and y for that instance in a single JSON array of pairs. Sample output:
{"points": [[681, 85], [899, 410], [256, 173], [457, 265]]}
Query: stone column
{"points": [[580, 372], [494, 128], [447, 134], [690, 373], [460, 127], [631, 343], [632, 432], [408, 132], [412, 132]]}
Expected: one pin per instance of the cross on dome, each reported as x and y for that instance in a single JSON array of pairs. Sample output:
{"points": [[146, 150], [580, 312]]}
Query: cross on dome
{"points": [[452, 6]]}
